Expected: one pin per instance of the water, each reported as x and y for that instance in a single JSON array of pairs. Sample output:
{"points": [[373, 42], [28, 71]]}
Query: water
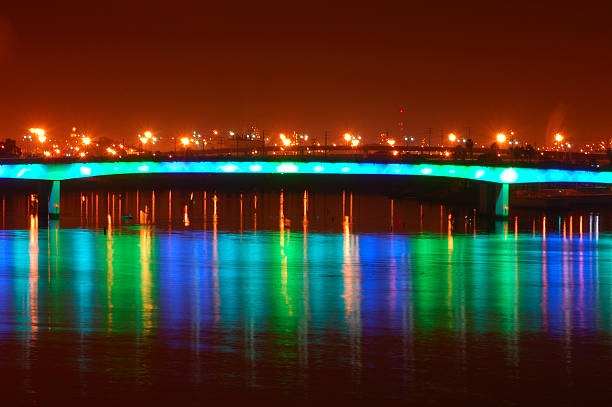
{"points": [[304, 298]]}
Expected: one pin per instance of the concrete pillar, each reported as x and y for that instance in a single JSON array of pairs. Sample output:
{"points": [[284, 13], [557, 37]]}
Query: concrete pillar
{"points": [[502, 202], [54, 200], [494, 199]]}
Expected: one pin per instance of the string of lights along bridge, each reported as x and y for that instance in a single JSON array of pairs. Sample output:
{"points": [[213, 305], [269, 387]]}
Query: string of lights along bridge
{"points": [[65, 171], [496, 176]]}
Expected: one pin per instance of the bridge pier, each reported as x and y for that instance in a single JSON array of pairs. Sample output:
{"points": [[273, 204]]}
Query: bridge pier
{"points": [[54, 200], [494, 199]]}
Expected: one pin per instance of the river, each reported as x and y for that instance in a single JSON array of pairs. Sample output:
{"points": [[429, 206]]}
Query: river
{"points": [[301, 297]]}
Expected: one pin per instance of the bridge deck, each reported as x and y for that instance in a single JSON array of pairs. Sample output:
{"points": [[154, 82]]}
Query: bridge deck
{"points": [[503, 175]]}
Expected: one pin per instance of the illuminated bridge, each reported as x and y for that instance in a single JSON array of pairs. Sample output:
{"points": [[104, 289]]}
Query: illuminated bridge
{"points": [[494, 189]]}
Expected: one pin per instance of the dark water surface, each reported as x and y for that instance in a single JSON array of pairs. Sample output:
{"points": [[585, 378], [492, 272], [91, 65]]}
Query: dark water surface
{"points": [[303, 297]]}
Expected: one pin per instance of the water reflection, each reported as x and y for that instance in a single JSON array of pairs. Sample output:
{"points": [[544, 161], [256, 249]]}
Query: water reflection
{"points": [[351, 275], [242, 297], [33, 252]]}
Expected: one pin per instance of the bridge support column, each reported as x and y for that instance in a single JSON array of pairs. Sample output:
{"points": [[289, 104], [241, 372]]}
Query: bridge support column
{"points": [[494, 199], [502, 203], [54, 200]]}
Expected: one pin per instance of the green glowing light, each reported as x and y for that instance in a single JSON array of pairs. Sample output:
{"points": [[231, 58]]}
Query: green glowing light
{"points": [[490, 174]]}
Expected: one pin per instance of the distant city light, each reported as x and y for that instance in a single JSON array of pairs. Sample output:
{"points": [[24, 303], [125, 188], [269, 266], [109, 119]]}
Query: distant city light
{"points": [[40, 133], [37, 131], [78, 143]]}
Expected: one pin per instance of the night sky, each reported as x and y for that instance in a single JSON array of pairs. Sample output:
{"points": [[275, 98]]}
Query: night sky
{"points": [[117, 68]]}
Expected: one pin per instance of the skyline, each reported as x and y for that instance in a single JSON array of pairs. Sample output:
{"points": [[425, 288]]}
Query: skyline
{"points": [[115, 70]]}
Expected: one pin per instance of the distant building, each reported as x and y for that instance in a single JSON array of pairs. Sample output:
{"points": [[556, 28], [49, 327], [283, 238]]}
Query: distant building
{"points": [[9, 149]]}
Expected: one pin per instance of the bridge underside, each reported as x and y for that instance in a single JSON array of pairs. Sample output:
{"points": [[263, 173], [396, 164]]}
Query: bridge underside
{"points": [[493, 193], [491, 199]]}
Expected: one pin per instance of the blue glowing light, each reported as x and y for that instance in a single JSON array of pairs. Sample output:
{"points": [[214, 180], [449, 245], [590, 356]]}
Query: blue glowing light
{"points": [[509, 175], [287, 167], [504, 175]]}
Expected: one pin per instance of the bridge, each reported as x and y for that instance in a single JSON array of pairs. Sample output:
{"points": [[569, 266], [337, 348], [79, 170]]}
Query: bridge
{"points": [[494, 195]]}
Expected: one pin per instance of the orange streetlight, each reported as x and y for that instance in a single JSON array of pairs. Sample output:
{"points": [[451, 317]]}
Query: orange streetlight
{"points": [[147, 139], [37, 131], [501, 138], [452, 138], [347, 138]]}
